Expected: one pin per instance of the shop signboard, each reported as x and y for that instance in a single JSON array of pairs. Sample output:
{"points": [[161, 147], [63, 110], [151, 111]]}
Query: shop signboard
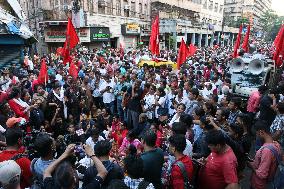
{"points": [[58, 35], [130, 29], [100, 34]]}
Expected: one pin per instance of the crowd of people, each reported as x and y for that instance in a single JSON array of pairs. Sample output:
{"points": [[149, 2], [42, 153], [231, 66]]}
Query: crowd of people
{"points": [[116, 125]]}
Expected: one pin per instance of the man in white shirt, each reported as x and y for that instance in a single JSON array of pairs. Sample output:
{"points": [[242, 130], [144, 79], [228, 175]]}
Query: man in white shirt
{"points": [[94, 138], [106, 89]]}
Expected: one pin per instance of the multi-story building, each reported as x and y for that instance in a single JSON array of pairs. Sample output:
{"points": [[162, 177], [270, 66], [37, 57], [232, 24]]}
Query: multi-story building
{"points": [[196, 21], [98, 21], [250, 9]]}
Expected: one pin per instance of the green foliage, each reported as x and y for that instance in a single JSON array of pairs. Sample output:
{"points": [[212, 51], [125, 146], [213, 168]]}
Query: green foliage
{"points": [[270, 23]]}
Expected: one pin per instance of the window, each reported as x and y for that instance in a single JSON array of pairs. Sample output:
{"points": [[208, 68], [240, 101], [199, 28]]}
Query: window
{"points": [[205, 4], [140, 9], [109, 7], [221, 8], [133, 9], [101, 7], [145, 10], [210, 5], [118, 8], [216, 7], [126, 8]]}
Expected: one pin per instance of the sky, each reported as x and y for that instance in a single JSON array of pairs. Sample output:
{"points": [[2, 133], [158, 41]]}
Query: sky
{"points": [[278, 7]]}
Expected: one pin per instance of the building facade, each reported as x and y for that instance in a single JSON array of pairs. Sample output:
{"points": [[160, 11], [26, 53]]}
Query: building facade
{"points": [[99, 22], [196, 21], [251, 9]]}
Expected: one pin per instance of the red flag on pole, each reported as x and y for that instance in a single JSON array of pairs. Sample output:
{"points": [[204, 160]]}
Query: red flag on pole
{"points": [[238, 42], [73, 70], [43, 75], [154, 38], [71, 41], [279, 52], [182, 53], [245, 45], [71, 35], [281, 31], [192, 50]]}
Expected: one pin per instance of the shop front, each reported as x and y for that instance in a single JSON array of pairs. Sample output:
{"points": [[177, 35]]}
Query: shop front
{"points": [[131, 35], [99, 37], [55, 37]]}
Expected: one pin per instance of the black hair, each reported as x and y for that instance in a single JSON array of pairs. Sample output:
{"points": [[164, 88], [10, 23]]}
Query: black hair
{"points": [[183, 106], [178, 141], [102, 148], [117, 184], [64, 175], [199, 111], [95, 131], [237, 129], [225, 112], [215, 137], [43, 144], [280, 107], [15, 92], [147, 85], [262, 125], [162, 91], [133, 165], [150, 138], [211, 108], [186, 119], [56, 85], [262, 89], [207, 124], [131, 134], [13, 135], [179, 128], [237, 101]]}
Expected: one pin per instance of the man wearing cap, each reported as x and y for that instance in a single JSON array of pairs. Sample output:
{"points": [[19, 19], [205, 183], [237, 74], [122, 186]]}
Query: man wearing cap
{"points": [[10, 173], [14, 152]]}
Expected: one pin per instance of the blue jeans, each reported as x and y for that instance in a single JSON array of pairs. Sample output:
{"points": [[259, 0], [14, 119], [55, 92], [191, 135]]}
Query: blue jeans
{"points": [[110, 106]]}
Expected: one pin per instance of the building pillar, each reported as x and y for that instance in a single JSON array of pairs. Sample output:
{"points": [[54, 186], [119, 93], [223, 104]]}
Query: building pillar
{"points": [[199, 39], [218, 38], [229, 41], [233, 38], [206, 40], [212, 40], [193, 39]]}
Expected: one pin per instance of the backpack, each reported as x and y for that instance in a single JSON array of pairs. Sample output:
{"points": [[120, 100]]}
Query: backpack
{"points": [[187, 184], [278, 180], [37, 180]]}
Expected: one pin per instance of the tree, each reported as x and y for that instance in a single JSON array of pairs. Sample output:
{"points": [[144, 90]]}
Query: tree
{"points": [[270, 23]]}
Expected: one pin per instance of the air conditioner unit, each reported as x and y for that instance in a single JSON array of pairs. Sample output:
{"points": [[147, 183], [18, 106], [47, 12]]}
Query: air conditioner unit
{"points": [[126, 7]]}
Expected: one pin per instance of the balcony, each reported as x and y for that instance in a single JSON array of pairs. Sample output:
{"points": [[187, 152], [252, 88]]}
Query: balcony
{"points": [[196, 7]]}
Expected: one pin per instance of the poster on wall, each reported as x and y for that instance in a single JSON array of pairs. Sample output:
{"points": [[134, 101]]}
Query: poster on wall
{"points": [[58, 35]]}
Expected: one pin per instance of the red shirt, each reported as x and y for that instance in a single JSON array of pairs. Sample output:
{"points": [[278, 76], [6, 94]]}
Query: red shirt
{"points": [[24, 163], [219, 171], [119, 138], [177, 181], [159, 140]]}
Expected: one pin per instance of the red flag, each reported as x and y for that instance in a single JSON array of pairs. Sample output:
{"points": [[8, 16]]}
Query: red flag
{"points": [[192, 50], [245, 45], [43, 75], [281, 31], [73, 70], [182, 54], [154, 38], [66, 54], [238, 42], [279, 52], [71, 35], [59, 51]]}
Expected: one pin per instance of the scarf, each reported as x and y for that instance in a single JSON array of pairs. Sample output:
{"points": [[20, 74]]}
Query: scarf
{"points": [[61, 98]]}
